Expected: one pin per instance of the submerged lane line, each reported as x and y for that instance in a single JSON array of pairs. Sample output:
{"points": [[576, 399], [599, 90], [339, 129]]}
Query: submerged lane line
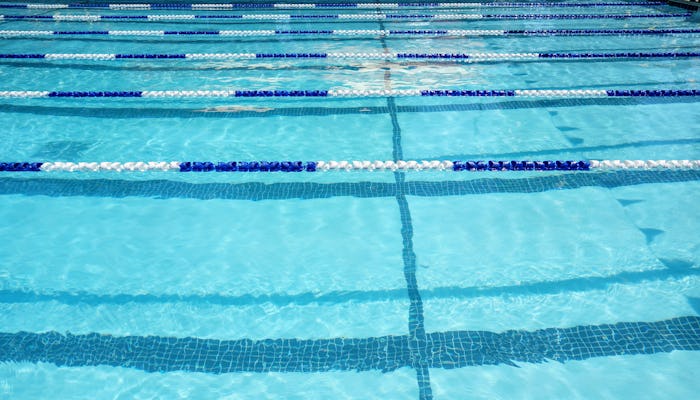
{"points": [[416, 320], [446, 350], [158, 188]]}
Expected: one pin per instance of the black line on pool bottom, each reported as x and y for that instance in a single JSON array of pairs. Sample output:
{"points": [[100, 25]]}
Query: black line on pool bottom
{"points": [[382, 39], [256, 191], [397, 149], [417, 341], [446, 350], [416, 322], [234, 110]]}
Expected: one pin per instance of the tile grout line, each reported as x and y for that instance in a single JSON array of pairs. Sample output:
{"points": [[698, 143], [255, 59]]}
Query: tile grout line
{"points": [[417, 339]]}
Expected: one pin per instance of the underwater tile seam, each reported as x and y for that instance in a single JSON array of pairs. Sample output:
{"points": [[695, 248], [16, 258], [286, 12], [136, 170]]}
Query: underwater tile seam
{"points": [[358, 32], [467, 57], [227, 6], [316, 17]]}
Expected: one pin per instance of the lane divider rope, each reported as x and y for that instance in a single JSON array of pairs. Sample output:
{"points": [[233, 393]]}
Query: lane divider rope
{"points": [[311, 17], [229, 6], [470, 57], [314, 166], [355, 93], [363, 32]]}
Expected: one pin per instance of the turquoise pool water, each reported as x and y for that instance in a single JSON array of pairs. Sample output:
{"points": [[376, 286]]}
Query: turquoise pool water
{"points": [[431, 284]]}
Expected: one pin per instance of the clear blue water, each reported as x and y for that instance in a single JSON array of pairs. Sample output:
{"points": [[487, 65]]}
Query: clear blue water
{"points": [[408, 285]]}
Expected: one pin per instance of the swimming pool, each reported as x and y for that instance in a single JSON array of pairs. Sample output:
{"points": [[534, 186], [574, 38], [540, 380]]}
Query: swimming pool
{"points": [[293, 274]]}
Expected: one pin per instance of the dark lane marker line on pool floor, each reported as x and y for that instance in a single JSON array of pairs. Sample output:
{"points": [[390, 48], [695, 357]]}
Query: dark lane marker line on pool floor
{"points": [[417, 340], [162, 189], [444, 350]]}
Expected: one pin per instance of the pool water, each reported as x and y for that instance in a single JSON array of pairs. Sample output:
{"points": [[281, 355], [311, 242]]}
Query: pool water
{"points": [[383, 284]]}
